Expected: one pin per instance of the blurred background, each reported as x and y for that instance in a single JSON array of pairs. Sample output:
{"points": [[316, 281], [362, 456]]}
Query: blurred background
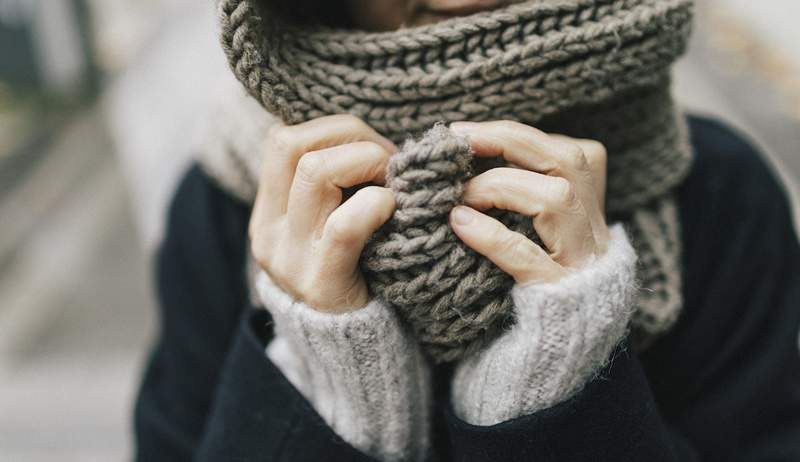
{"points": [[100, 104]]}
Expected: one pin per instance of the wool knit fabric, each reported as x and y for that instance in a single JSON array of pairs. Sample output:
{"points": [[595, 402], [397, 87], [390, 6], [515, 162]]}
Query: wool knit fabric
{"points": [[454, 299], [364, 375], [595, 69], [564, 334]]}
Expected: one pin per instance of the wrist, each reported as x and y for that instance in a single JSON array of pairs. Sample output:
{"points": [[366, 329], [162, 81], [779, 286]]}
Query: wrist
{"points": [[564, 334], [329, 297], [361, 371]]}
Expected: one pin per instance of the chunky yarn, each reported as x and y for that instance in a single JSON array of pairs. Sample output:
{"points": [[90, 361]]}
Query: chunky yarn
{"points": [[452, 297], [596, 69]]}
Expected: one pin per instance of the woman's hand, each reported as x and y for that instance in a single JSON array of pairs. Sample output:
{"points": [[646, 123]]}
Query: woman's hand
{"points": [[301, 233], [560, 183]]}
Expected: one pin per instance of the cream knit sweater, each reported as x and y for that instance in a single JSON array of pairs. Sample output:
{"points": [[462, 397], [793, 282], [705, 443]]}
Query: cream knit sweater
{"points": [[367, 378]]}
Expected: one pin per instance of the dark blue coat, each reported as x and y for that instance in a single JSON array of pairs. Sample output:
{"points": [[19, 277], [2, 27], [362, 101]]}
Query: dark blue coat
{"points": [[724, 385]]}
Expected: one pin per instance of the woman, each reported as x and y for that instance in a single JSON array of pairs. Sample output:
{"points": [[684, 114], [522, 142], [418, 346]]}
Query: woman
{"points": [[463, 296]]}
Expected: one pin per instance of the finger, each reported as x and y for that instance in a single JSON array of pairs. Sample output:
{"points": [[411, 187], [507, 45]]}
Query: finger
{"points": [[558, 216], [315, 191], [535, 150], [523, 145], [597, 159], [512, 252], [349, 226], [284, 145]]}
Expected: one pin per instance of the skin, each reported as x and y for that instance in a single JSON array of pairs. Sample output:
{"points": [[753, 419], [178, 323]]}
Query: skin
{"points": [[309, 240]]}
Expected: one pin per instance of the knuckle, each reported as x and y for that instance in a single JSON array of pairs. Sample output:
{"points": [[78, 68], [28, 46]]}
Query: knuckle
{"points": [[374, 194], [508, 242], [595, 150], [518, 253], [311, 167], [597, 156], [483, 181], [280, 138], [563, 192], [493, 179], [341, 233], [351, 121], [526, 259], [484, 186], [372, 150], [573, 156], [377, 202], [506, 124]]}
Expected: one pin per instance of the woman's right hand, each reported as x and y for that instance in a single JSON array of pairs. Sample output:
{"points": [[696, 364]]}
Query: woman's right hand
{"points": [[301, 233]]}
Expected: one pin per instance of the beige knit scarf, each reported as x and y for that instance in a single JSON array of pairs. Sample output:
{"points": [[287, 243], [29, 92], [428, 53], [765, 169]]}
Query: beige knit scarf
{"points": [[596, 69]]}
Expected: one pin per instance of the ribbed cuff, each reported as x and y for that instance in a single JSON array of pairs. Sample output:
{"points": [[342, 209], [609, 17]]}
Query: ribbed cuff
{"points": [[360, 370], [564, 334]]}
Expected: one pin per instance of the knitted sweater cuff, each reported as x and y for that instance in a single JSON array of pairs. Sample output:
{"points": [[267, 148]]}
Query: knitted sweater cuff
{"points": [[564, 335], [360, 370]]}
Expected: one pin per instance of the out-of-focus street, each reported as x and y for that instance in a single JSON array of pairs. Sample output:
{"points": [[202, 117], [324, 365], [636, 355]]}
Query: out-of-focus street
{"points": [[82, 206], [75, 304]]}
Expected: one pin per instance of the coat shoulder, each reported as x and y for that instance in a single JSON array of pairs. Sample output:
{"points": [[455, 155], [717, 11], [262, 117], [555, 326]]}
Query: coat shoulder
{"points": [[740, 260], [729, 171]]}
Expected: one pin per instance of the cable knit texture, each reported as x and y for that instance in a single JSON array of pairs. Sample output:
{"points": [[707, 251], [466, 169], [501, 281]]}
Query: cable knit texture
{"points": [[454, 299], [362, 373], [596, 69], [564, 335]]}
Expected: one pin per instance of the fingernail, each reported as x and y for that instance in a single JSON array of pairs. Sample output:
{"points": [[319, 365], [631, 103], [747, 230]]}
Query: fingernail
{"points": [[462, 216], [462, 128]]}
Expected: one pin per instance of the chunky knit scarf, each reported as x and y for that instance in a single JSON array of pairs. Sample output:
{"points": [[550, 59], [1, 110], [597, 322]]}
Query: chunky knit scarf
{"points": [[596, 69]]}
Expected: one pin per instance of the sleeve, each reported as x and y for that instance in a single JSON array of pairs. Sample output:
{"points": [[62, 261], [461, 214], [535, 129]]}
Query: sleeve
{"points": [[728, 375], [201, 294], [258, 415], [561, 384], [209, 391], [361, 371], [723, 384], [613, 418], [564, 334]]}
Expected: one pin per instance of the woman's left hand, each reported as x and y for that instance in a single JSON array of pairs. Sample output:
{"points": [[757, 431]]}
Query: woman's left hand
{"points": [[559, 182]]}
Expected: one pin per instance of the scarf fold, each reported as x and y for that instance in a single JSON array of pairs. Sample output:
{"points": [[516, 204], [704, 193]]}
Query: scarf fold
{"points": [[596, 69]]}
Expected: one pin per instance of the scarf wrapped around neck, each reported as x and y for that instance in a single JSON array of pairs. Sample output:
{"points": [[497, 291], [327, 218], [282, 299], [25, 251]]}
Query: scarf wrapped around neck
{"points": [[597, 69]]}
